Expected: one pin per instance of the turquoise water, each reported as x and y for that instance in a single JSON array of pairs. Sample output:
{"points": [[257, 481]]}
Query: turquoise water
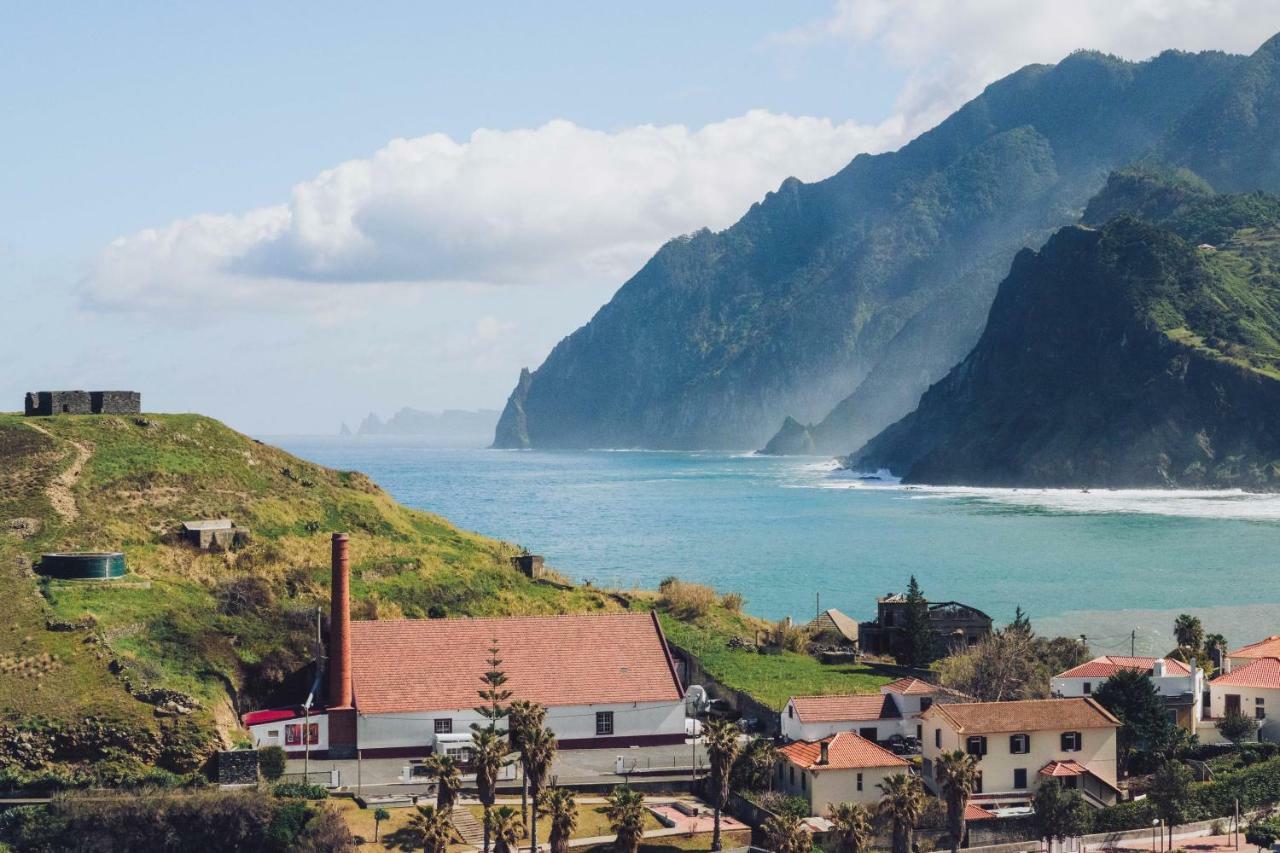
{"points": [[782, 531]]}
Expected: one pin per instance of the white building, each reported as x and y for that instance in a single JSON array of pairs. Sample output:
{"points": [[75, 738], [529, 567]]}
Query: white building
{"points": [[1181, 686], [1268, 647], [895, 710], [842, 768], [1252, 690]]}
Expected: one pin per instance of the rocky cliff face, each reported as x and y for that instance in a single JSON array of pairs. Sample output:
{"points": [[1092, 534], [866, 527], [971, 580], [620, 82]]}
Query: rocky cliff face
{"points": [[875, 280], [1126, 356]]}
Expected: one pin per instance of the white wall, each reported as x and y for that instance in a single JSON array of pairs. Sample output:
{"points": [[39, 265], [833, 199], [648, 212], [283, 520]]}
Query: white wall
{"points": [[821, 787], [796, 730], [1169, 685], [1248, 700], [568, 722], [262, 733]]}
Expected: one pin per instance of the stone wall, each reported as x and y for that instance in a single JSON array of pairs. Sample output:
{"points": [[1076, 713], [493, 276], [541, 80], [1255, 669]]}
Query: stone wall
{"points": [[238, 767], [82, 403]]}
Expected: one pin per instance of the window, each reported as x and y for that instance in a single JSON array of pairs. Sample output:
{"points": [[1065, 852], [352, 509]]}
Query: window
{"points": [[444, 727], [293, 734], [1260, 708], [1071, 742], [937, 738], [1088, 687], [791, 711], [926, 703], [274, 734], [804, 781], [977, 784], [859, 781], [868, 732], [1019, 744], [793, 775], [976, 745], [604, 722], [1020, 779]]}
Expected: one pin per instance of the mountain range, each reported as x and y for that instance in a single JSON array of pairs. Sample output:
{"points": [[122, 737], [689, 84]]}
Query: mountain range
{"points": [[451, 427], [836, 304]]}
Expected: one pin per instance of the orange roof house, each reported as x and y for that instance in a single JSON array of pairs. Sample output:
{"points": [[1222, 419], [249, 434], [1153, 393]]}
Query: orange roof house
{"points": [[837, 769]]}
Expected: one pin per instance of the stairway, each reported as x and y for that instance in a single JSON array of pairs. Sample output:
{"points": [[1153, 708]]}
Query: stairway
{"points": [[467, 826]]}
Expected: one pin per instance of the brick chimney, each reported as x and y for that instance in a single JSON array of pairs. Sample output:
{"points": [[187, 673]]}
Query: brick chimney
{"points": [[340, 626], [824, 756]]}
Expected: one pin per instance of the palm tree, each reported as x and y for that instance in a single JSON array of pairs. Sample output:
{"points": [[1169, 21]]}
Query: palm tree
{"points": [[524, 717], [1188, 631], [503, 825], [448, 780], [537, 751], [721, 738], [379, 815], [558, 804], [785, 834], [432, 827], [902, 803], [852, 825], [957, 775], [626, 818], [488, 754]]}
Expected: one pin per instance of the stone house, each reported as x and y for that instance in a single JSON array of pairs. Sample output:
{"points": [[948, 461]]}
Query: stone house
{"points": [[955, 626], [44, 403]]}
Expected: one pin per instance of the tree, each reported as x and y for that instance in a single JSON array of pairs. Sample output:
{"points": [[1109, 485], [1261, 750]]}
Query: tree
{"points": [[626, 817], [917, 647], [558, 805], [851, 823], [1145, 727], [1170, 791], [902, 802], [957, 774], [785, 834], [721, 739], [448, 780], [523, 718], [272, 762], [753, 771], [505, 828], [1236, 727], [1060, 813], [1189, 633], [432, 828], [1011, 663], [379, 815], [1262, 835], [488, 753], [537, 751]]}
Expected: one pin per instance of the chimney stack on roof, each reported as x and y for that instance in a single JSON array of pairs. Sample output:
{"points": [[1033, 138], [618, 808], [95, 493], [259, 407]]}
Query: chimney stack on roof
{"points": [[824, 756], [340, 626], [1157, 668]]}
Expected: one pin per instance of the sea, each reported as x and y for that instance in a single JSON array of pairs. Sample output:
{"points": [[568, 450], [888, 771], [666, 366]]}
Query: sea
{"points": [[796, 535]]}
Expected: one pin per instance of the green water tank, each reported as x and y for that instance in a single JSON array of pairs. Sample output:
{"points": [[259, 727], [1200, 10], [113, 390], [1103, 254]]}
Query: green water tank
{"points": [[87, 566]]}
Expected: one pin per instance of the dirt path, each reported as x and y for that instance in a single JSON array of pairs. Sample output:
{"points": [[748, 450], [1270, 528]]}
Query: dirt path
{"points": [[59, 489]]}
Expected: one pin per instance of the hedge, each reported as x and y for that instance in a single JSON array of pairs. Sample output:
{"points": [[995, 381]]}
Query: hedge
{"points": [[1256, 786]]}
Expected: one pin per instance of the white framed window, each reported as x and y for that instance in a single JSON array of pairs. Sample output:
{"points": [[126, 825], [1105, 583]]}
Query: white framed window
{"points": [[604, 722], [1019, 744], [444, 726], [1072, 742]]}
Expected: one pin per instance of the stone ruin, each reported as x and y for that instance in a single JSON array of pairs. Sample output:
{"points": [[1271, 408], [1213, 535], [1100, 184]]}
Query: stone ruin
{"points": [[82, 403]]}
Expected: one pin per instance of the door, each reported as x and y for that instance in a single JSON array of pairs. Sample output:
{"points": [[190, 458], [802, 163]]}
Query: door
{"points": [[1233, 703]]}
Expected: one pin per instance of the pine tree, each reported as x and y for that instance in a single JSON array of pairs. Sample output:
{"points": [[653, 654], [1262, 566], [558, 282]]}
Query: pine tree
{"points": [[488, 753], [918, 641]]}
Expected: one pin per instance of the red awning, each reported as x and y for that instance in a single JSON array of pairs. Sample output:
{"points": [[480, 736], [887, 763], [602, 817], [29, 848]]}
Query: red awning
{"points": [[254, 718]]}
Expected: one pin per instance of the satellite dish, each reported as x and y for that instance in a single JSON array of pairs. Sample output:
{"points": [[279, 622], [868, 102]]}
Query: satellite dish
{"points": [[696, 698]]}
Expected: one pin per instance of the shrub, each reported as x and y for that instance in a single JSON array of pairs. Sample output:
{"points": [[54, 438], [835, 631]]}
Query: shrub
{"points": [[300, 791], [733, 602], [687, 600], [272, 762]]}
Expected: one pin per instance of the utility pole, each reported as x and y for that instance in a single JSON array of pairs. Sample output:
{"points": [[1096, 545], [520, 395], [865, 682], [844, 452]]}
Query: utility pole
{"points": [[1133, 642], [817, 605]]}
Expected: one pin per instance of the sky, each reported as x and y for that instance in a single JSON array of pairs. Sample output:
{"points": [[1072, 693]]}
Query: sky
{"points": [[288, 215]]}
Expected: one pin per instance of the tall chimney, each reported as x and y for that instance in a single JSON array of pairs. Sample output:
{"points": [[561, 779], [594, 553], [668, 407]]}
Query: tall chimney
{"points": [[824, 749], [340, 626]]}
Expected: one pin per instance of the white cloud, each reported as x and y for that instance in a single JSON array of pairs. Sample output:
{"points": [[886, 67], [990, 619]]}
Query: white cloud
{"points": [[951, 50], [534, 206]]}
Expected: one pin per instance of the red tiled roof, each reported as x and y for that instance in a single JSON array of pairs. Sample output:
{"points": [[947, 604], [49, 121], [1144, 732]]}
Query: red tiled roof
{"points": [[436, 664], [1063, 768], [1268, 647], [830, 709], [1108, 665], [1263, 672], [254, 718], [1029, 715], [974, 812], [911, 687], [845, 751]]}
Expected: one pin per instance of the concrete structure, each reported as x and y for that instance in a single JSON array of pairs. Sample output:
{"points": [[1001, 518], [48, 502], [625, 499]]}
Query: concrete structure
{"points": [[955, 625], [529, 565], [82, 403], [396, 686], [1252, 690], [214, 534], [1021, 744], [842, 768], [895, 710], [1181, 686]]}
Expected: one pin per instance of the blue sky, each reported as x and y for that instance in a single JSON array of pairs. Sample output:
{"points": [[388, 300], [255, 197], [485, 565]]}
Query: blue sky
{"points": [[285, 292]]}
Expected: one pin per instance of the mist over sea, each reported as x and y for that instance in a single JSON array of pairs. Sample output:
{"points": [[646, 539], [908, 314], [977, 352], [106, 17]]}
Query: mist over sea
{"points": [[783, 531]]}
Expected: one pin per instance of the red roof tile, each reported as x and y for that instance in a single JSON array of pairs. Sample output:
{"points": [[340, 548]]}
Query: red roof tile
{"points": [[830, 709], [1268, 647], [845, 751], [1108, 665], [1263, 672], [974, 812], [436, 664], [1063, 768], [255, 718], [1029, 715], [911, 687]]}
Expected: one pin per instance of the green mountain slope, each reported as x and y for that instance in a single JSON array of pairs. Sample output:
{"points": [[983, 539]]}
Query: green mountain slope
{"points": [[1131, 355], [878, 277], [227, 630]]}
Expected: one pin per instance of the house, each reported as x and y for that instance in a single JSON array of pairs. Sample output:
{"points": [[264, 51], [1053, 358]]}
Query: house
{"points": [[894, 711], [954, 625], [1180, 685], [1021, 744], [842, 768], [1252, 690], [1268, 647], [834, 627], [291, 728], [397, 687]]}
